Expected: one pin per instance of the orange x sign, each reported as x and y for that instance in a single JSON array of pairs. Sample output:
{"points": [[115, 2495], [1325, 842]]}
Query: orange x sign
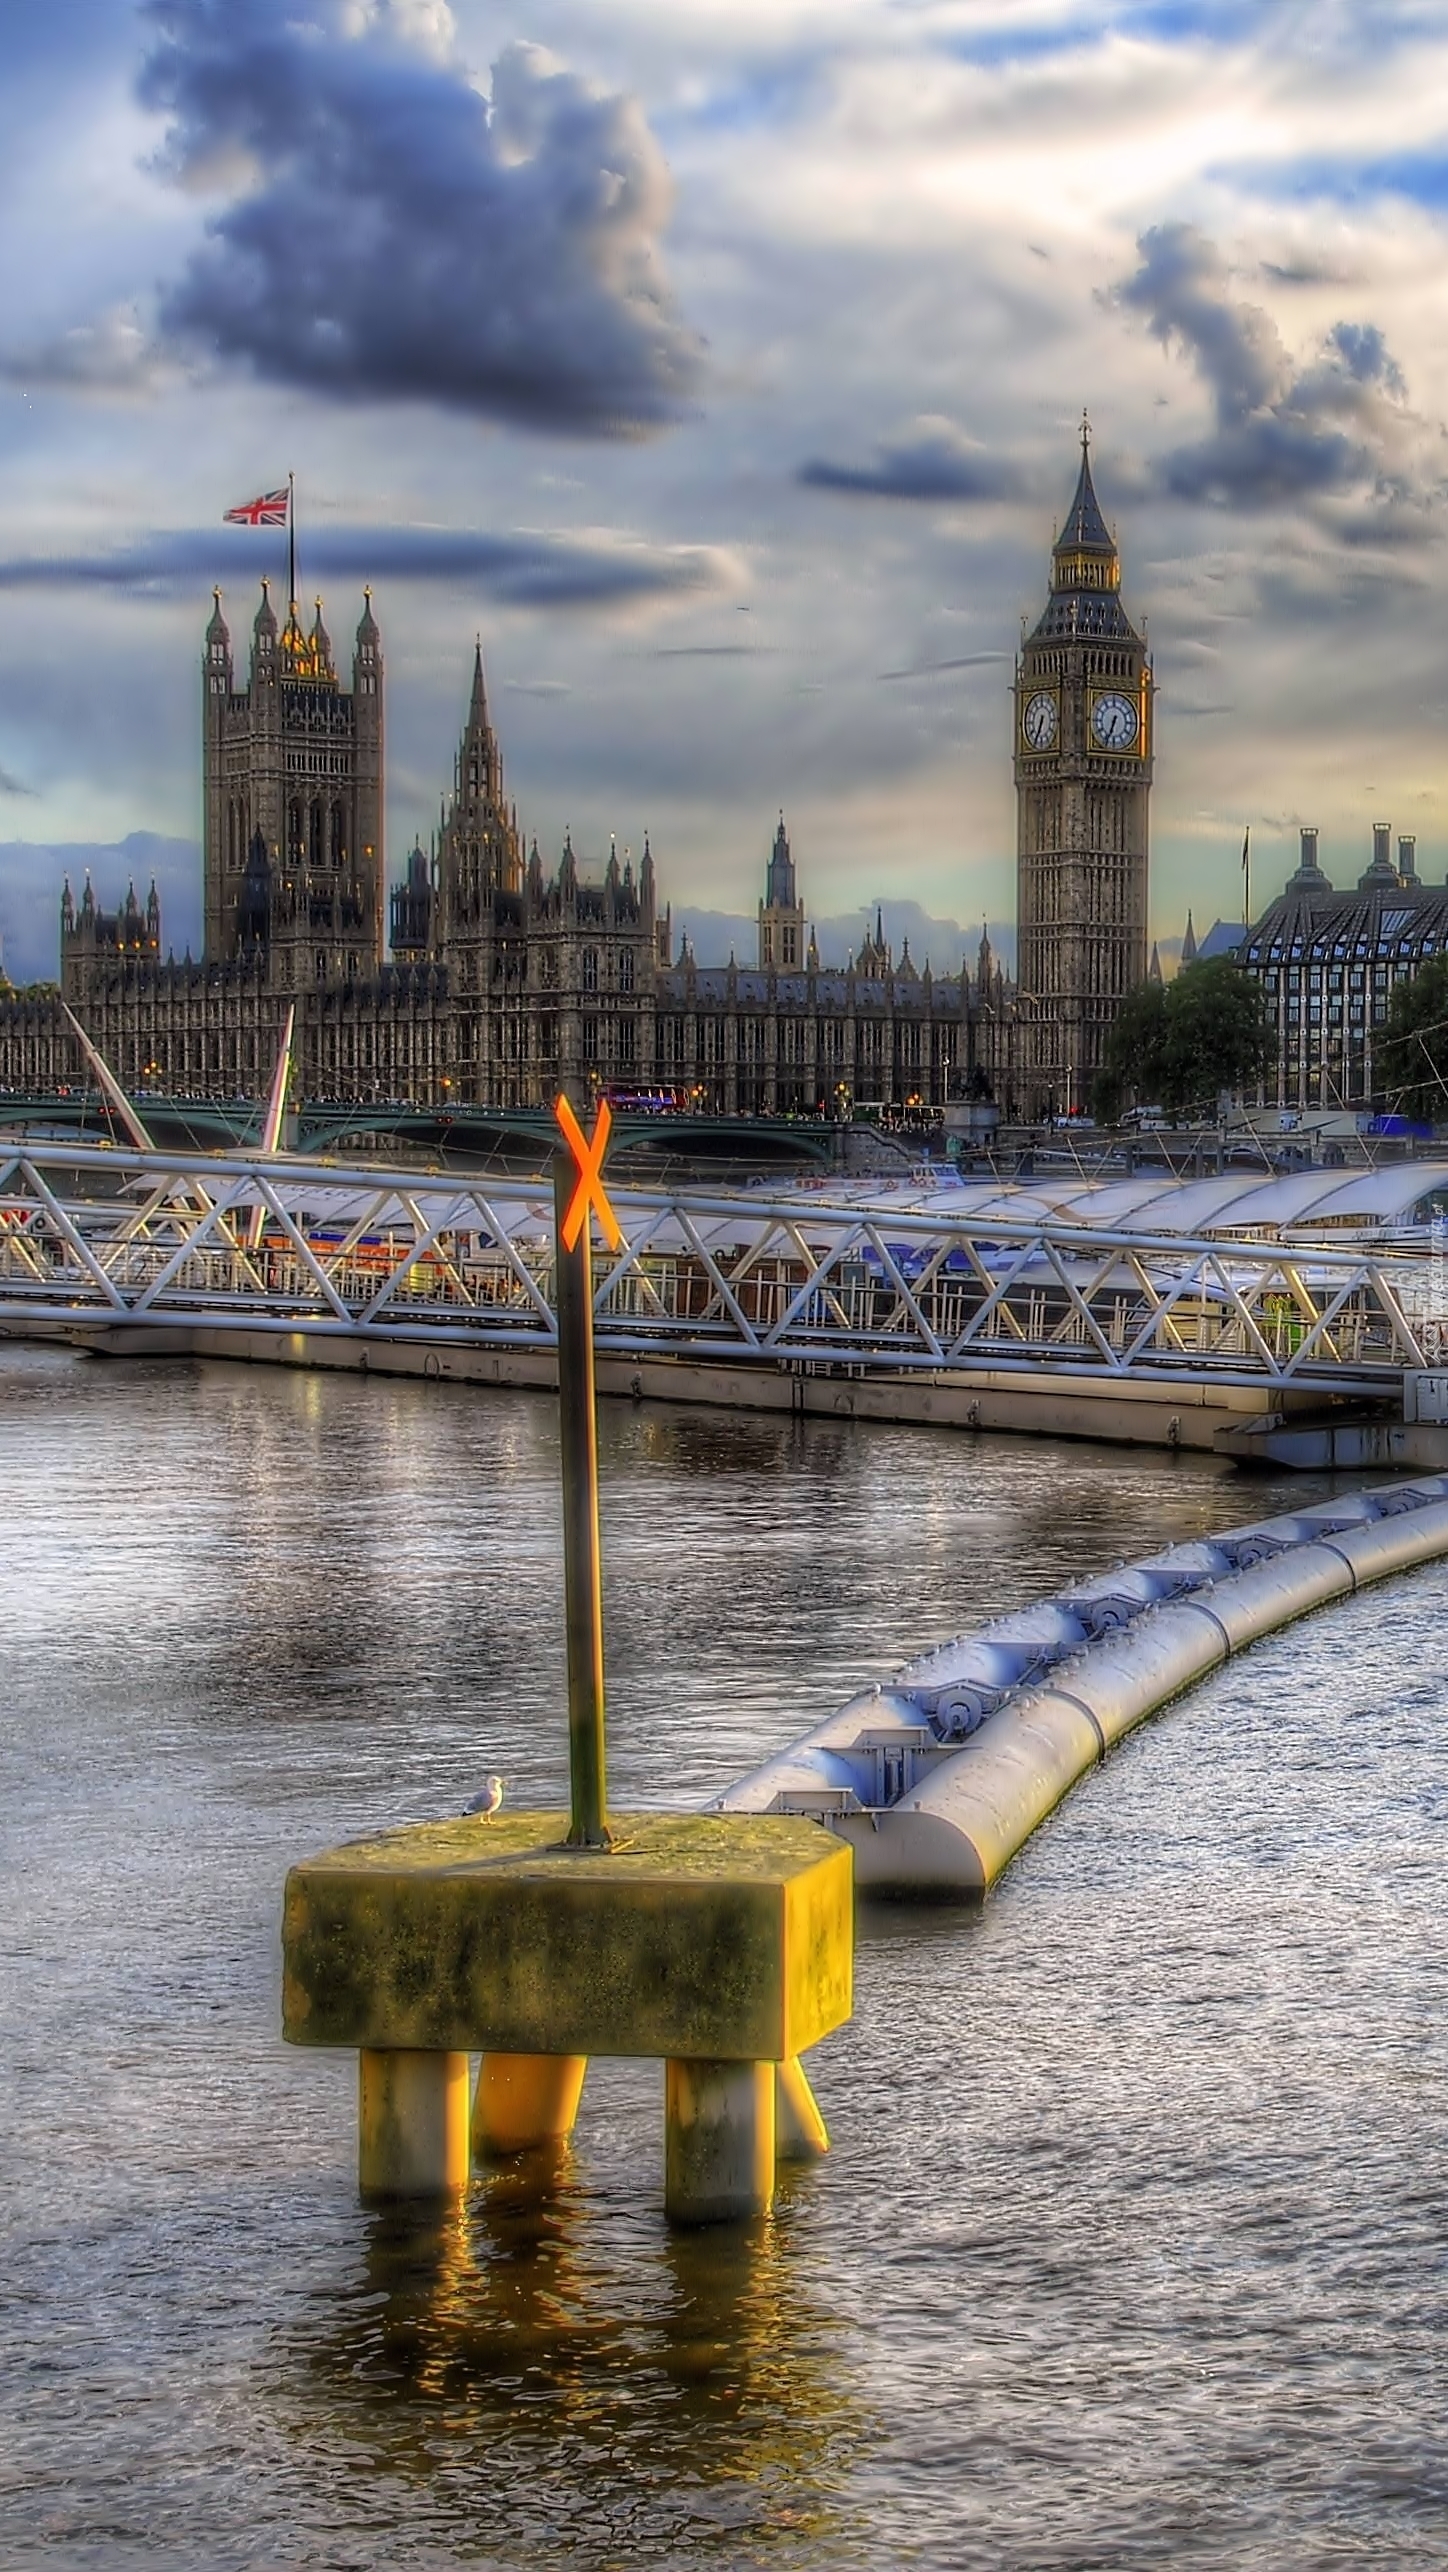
{"points": [[590, 1189]]}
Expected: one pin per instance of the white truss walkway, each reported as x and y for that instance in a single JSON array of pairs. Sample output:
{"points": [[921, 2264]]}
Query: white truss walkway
{"points": [[791, 1279]]}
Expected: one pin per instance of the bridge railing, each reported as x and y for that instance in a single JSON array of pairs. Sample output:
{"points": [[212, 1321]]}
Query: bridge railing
{"points": [[90, 1234]]}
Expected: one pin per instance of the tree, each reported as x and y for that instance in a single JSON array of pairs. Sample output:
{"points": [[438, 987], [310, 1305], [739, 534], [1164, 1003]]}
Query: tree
{"points": [[1183, 1045], [1218, 1034], [1133, 1063], [1412, 1051]]}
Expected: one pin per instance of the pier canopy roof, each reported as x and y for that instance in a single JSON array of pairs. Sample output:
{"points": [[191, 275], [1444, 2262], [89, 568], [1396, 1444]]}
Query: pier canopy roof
{"points": [[1399, 1194], [1329, 1207]]}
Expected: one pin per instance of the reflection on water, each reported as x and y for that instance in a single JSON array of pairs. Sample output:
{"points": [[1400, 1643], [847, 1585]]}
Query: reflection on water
{"points": [[1131, 2247], [624, 2387]]}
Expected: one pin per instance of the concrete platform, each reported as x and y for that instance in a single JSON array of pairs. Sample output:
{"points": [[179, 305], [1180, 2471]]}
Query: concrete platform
{"points": [[721, 1943], [707, 1935]]}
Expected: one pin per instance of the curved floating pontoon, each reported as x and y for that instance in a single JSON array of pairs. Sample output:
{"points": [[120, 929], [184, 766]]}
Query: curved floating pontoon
{"points": [[938, 1778]]}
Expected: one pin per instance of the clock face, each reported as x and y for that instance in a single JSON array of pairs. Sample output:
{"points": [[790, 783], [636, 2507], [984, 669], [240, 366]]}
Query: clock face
{"points": [[1038, 723], [1114, 722]]}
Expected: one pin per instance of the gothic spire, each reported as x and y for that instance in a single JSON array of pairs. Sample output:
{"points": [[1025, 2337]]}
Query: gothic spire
{"points": [[295, 656], [779, 888], [321, 641], [479, 763], [1085, 530], [1085, 599], [481, 853]]}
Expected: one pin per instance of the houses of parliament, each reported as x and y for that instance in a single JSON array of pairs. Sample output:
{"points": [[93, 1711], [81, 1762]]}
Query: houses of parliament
{"points": [[480, 977]]}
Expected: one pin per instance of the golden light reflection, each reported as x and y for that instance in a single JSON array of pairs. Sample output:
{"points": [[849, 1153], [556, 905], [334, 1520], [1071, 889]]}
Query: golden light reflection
{"points": [[544, 2368]]}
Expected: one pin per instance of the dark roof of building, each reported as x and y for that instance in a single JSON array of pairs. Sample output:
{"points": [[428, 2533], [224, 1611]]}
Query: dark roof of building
{"points": [[1382, 913], [1085, 530], [1085, 602], [1223, 938], [1090, 615]]}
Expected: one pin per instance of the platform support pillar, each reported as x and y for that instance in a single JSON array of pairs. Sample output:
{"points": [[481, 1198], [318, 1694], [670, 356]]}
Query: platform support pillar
{"points": [[412, 2122], [523, 2100], [718, 2141], [800, 2131]]}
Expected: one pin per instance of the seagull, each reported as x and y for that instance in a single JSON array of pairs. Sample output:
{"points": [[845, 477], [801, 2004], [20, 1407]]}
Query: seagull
{"points": [[488, 1802]]}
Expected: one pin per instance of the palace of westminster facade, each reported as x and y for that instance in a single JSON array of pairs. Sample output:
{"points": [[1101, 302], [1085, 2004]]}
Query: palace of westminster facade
{"points": [[502, 983], [481, 979]]}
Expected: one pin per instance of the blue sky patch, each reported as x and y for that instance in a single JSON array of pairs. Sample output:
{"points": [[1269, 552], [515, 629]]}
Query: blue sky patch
{"points": [[1421, 177]]}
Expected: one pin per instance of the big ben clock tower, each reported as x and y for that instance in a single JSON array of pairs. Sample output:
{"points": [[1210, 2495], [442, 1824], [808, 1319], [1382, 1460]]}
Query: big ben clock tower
{"points": [[1083, 722]]}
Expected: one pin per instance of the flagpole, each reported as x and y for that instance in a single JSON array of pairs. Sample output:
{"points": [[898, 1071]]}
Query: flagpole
{"points": [[292, 539], [1247, 882]]}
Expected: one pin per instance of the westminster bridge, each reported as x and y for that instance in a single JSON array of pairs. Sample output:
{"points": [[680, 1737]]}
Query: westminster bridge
{"points": [[465, 1133]]}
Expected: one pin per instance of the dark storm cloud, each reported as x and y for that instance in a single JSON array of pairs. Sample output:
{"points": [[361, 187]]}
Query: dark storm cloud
{"points": [[522, 570], [1283, 431], [931, 459], [710, 652], [929, 669], [391, 233], [1307, 272], [12, 785]]}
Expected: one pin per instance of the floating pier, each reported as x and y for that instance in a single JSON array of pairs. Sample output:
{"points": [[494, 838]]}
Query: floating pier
{"points": [[1058, 1308], [939, 1778]]}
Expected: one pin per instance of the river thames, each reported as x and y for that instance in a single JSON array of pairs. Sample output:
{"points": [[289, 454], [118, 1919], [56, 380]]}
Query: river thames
{"points": [[1133, 2245]]}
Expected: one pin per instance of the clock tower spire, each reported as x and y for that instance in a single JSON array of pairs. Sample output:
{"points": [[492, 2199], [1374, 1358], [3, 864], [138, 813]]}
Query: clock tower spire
{"points": [[1083, 762]]}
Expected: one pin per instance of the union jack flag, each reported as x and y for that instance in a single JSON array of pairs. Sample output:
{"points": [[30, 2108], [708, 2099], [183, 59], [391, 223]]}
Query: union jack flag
{"points": [[269, 509]]}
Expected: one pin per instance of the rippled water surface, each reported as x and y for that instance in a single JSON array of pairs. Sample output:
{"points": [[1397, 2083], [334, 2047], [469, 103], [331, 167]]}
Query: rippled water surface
{"points": [[1133, 2247]]}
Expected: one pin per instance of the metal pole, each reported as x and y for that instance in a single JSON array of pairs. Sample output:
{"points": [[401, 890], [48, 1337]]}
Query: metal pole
{"points": [[582, 1569]]}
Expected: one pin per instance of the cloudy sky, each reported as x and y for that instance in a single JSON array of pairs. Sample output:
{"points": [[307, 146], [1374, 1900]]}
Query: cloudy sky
{"points": [[721, 362]]}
